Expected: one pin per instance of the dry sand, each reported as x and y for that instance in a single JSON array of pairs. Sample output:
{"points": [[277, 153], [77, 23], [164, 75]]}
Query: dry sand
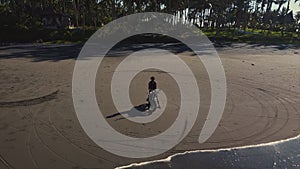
{"points": [[39, 127]]}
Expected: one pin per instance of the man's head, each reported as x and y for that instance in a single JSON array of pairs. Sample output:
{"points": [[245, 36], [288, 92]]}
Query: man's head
{"points": [[152, 78]]}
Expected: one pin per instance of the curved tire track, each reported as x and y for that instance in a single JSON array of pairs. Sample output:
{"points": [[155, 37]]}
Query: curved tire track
{"points": [[31, 101], [273, 103]]}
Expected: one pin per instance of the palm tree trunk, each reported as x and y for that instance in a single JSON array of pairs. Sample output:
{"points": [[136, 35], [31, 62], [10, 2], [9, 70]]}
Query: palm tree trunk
{"points": [[76, 11], [113, 14], [288, 6]]}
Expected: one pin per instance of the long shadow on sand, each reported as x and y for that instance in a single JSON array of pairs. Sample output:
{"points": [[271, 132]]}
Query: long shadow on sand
{"points": [[38, 52], [58, 52], [137, 111]]}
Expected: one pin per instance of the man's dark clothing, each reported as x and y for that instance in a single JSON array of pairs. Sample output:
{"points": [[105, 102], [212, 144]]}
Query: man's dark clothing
{"points": [[151, 86]]}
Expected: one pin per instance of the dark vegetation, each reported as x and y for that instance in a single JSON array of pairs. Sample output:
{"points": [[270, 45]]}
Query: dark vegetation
{"points": [[62, 21]]}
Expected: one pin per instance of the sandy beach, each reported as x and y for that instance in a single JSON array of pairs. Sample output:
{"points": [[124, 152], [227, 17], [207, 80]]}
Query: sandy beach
{"points": [[39, 127]]}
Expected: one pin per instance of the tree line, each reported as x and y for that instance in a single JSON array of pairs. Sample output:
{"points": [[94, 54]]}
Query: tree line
{"points": [[265, 15]]}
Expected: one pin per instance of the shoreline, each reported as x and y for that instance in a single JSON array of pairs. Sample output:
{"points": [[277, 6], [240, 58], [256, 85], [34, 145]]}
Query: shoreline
{"points": [[169, 158]]}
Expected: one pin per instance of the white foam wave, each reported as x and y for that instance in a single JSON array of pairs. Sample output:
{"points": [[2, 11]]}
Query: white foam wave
{"points": [[169, 159]]}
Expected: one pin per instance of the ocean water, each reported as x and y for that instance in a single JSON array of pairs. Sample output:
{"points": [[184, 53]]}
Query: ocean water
{"points": [[276, 155]]}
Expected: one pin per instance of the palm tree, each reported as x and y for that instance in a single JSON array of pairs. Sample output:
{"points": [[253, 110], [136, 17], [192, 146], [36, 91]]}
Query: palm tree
{"points": [[297, 17], [280, 4]]}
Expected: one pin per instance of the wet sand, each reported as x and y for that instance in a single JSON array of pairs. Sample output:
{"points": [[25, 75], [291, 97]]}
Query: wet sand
{"points": [[39, 127], [279, 154]]}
